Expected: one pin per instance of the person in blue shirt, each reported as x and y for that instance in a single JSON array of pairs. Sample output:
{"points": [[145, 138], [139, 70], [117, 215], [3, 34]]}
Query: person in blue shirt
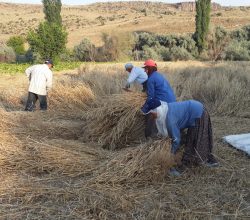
{"points": [[157, 88], [172, 118]]}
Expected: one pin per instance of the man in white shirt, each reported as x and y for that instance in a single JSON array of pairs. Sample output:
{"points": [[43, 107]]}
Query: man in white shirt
{"points": [[40, 81], [136, 74]]}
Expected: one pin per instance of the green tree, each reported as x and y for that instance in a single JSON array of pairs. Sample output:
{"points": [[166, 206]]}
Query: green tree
{"points": [[52, 11], [202, 20], [17, 43], [48, 40]]}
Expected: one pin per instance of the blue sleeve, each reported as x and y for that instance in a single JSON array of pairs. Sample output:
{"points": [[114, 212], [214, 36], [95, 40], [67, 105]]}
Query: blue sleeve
{"points": [[150, 90], [176, 137]]}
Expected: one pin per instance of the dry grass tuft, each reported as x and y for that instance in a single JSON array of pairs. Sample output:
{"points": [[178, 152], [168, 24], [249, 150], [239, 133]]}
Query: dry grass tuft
{"points": [[115, 121], [223, 87], [12, 99], [146, 162], [70, 99]]}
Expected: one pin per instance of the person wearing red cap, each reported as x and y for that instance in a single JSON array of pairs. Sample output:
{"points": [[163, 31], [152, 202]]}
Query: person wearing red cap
{"points": [[157, 88]]}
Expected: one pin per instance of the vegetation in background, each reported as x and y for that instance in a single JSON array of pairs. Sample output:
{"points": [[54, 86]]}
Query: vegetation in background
{"points": [[85, 51], [202, 20], [50, 39], [220, 45], [7, 54], [12, 69], [52, 11], [17, 43], [217, 40], [116, 47]]}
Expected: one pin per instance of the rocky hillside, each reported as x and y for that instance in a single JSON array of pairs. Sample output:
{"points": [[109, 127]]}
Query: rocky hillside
{"points": [[90, 21]]}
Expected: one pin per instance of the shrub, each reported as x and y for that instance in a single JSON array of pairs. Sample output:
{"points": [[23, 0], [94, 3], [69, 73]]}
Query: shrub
{"points": [[144, 39], [85, 51], [237, 51], [33, 57], [117, 47], [67, 56], [160, 46], [247, 32], [218, 39], [165, 53], [7, 54], [238, 35], [17, 43], [166, 40], [180, 53], [21, 59], [151, 53]]}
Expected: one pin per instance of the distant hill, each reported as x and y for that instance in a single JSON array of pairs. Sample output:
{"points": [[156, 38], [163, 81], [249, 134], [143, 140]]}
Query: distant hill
{"points": [[92, 20]]}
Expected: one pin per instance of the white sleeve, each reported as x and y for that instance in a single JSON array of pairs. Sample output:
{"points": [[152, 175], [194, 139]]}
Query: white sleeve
{"points": [[28, 71], [49, 77], [132, 76]]}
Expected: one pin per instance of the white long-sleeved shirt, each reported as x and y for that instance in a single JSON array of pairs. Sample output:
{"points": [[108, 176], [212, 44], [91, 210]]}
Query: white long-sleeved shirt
{"points": [[40, 77], [137, 74]]}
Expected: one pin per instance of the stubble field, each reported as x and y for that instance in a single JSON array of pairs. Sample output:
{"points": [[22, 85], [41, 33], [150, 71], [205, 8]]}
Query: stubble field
{"points": [[58, 164]]}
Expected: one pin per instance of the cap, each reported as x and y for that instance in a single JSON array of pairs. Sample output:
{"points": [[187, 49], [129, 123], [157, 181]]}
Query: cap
{"points": [[150, 63], [150, 105], [48, 61], [128, 66]]}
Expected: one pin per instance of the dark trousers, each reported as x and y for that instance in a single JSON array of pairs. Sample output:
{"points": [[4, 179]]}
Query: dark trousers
{"points": [[150, 128], [144, 86], [31, 102], [199, 142]]}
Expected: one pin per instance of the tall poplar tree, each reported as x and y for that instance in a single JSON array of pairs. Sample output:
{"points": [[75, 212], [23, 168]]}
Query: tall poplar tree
{"points": [[202, 20], [52, 11], [50, 38]]}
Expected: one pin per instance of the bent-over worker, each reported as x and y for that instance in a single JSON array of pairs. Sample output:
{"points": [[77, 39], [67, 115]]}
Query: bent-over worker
{"points": [[136, 74], [158, 88], [172, 118]]}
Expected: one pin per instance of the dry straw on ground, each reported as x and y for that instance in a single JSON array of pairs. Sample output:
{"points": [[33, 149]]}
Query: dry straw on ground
{"points": [[147, 162], [70, 99], [116, 121], [48, 173]]}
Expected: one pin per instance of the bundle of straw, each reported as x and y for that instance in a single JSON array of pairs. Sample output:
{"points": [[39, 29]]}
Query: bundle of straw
{"points": [[115, 121], [70, 99], [146, 162]]}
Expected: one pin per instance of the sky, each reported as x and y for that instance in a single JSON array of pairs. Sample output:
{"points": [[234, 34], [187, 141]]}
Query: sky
{"points": [[81, 2]]}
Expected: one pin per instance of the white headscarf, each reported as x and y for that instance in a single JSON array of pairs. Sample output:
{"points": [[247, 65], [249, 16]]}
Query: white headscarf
{"points": [[161, 111]]}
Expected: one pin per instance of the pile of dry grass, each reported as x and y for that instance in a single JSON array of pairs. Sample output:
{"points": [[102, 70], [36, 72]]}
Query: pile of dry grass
{"points": [[103, 79], [12, 99], [144, 163], [115, 121], [70, 98]]}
